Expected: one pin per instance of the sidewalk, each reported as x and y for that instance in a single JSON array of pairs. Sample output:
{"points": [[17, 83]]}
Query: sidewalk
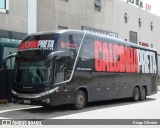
{"points": [[13, 106]]}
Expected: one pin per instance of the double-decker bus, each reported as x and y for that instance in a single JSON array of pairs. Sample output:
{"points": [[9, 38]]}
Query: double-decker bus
{"points": [[77, 67]]}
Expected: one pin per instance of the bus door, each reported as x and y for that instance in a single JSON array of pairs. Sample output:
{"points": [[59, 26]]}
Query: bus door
{"points": [[61, 74]]}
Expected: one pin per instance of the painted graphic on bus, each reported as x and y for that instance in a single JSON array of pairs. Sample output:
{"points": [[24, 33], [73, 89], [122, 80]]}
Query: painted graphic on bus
{"points": [[112, 57], [37, 44]]}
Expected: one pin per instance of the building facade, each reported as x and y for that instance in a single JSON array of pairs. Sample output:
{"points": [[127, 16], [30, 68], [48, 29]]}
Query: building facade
{"points": [[13, 27], [116, 17]]}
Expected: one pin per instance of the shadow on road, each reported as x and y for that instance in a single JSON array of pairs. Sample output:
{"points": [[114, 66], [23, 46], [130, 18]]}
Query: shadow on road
{"points": [[47, 113]]}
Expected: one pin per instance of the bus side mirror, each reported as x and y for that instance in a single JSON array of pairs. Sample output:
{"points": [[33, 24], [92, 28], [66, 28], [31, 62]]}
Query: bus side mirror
{"points": [[55, 55], [5, 60]]}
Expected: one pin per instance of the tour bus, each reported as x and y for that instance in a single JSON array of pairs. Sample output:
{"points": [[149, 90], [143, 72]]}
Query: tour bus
{"points": [[76, 67]]}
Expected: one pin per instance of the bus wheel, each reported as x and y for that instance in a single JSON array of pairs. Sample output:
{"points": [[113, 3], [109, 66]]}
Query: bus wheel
{"points": [[80, 100], [136, 94], [143, 93]]}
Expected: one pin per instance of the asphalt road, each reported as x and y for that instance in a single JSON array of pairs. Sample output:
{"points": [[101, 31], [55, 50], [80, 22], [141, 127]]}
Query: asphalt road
{"points": [[116, 109]]}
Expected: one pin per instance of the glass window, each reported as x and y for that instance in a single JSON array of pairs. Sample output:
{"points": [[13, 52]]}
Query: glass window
{"points": [[133, 37], [7, 47], [63, 68], [64, 64], [86, 58], [88, 50], [69, 43], [2, 4], [32, 72]]}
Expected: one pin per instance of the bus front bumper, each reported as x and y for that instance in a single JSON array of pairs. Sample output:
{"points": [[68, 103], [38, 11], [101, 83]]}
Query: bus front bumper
{"points": [[44, 99]]}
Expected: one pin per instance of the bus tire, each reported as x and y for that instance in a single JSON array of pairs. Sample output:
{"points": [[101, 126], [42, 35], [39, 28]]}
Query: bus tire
{"points": [[136, 94], [143, 94], [80, 100]]}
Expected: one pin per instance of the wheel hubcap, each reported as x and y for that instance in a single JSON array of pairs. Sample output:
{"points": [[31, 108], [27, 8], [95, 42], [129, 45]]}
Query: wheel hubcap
{"points": [[143, 93], [80, 99], [136, 94]]}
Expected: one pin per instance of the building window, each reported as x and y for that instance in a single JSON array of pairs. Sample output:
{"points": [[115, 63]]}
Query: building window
{"points": [[151, 25], [151, 45], [140, 22], [126, 17], [133, 37], [62, 28], [98, 5], [4, 6]]}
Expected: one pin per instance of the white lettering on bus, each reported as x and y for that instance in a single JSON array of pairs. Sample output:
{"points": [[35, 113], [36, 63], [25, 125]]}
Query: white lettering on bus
{"points": [[46, 44], [146, 61]]}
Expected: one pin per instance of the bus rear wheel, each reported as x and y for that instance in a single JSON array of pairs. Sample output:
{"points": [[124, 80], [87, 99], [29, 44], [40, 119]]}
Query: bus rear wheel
{"points": [[80, 100], [143, 93], [136, 94]]}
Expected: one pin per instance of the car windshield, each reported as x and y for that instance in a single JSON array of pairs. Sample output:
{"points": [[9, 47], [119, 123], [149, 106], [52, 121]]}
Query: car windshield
{"points": [[32, 72]]}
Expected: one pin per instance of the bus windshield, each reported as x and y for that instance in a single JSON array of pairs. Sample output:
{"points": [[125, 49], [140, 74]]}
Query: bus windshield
{"points": [[33, 53], [32, 72]]}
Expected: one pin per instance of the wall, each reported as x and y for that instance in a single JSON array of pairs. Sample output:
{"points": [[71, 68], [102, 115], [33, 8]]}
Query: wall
{"points": [[16, 19]]}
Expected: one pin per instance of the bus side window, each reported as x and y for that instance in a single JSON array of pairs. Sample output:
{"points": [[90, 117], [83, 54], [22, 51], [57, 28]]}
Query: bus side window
{"points": [[64, 65], [62, 70], [87, 53]]}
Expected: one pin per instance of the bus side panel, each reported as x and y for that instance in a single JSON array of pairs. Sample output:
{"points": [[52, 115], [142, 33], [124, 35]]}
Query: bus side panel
{"points": [[103, 86], [150, 81], [107, 84], [84, 82], [126, 83]]}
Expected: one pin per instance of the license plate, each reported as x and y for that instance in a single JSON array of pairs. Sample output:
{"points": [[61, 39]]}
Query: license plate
{"points": [[27, 101]]}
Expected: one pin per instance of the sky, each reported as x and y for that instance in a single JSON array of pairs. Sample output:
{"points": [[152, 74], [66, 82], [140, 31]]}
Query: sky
{"points": [[155, 6]]}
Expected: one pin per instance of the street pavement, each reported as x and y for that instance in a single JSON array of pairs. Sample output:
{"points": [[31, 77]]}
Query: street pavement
{"points": [[115, 109]]}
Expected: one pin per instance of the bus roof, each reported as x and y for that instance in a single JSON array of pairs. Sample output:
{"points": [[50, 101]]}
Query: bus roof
{"points": [[56, 31], [118, 40]]}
